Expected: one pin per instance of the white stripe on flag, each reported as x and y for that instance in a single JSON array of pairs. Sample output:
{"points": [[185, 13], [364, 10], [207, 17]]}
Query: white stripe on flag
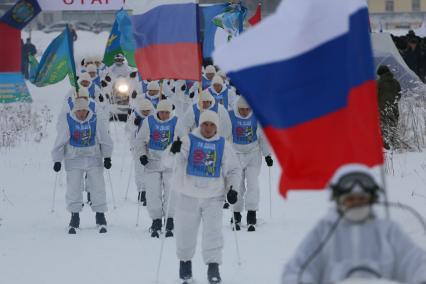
{"points": [[143, 6], [297, 27]]}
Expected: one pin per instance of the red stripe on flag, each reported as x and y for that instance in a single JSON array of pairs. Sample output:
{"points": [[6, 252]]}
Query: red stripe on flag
{"points": [[10, 49], [257, 17], [181, 61], [311, 153]]}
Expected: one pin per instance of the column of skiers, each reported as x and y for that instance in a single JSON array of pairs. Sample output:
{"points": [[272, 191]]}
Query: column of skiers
{"points": [[194, 154]]}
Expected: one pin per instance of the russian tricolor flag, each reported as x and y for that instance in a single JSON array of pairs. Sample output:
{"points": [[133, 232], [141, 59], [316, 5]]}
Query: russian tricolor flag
{"points": [[167, 38], [308, 73]]}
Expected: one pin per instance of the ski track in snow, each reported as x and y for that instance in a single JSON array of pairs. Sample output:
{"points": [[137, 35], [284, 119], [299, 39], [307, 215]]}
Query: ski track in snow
{"points": [[35, 246]]}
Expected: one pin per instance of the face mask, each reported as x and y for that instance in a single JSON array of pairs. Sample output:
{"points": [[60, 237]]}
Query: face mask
{"points": [[357, 214]]}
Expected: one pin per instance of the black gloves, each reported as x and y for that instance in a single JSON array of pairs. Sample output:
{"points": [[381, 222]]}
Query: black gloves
{"points": [[191, 95], [101, 98], [269, 161], [144, 160], [183, 88], [57, 166], [107, 78], [176, 146], [134, 94], [232, 196], [82, 62], [163, 97], [107, 163], [137, 121], [173, 89], [133, 74], [104, 84], [129, 112]]}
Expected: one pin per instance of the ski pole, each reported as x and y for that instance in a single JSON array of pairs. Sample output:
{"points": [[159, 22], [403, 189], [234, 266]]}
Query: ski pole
{"points": [[112, 190], [138, 216], [270, 194], [237, 246], [128, 181], [54, 193], [163, 237]]}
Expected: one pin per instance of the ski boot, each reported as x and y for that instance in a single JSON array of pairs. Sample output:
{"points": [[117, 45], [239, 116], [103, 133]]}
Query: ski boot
{"points": [[156, 228], [213, 273], [74, 223], [169, 227], [185, 272], [142, 198], [237, 218], [101, 222], [251, 221]]}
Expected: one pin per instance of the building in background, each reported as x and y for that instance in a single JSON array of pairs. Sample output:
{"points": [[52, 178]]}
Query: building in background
{"points": [[396, 14]]}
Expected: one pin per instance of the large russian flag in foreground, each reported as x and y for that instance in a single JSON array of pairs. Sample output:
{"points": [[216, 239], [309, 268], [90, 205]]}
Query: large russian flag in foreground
{"points": [[308, 73], [167, 39]]}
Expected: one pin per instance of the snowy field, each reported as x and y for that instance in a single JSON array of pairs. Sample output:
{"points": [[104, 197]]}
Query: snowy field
{"points": [[35, 247]]}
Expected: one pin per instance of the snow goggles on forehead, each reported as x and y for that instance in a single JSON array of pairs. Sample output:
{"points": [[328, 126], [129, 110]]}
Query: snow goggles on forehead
{"points": [[347, 183]]}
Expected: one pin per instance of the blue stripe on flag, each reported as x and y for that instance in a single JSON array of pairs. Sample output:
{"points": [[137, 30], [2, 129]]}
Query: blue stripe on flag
{"points": [[311, 85], [166, 24]]}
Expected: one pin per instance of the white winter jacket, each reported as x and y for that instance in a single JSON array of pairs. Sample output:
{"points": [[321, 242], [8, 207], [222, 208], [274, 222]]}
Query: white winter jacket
{"points": [[261, 144], [187, 123], [141, 146], [82, 157], [379, 245], [202, 187]]}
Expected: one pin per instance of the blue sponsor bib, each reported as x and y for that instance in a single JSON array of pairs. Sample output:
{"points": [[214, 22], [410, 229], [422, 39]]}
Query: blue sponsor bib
{"points": [[221, 98], [206, 83], [161, 133], [154, 101], [82, 134], [205, 157], [197, 112], [92, 105], [244, 130]]}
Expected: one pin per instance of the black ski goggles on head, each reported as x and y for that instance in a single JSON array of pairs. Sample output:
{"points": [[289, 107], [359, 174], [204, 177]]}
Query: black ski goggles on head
{"points": [[346, 184]]}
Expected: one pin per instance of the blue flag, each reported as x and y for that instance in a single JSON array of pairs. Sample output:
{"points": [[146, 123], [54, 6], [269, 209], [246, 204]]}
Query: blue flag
{"points": [[121, 40], [21, 14], [232, 19], [208, 13], [56, 63]]}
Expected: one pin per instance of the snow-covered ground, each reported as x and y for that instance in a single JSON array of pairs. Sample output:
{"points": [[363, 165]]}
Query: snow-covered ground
{"points": [[35, 246]]}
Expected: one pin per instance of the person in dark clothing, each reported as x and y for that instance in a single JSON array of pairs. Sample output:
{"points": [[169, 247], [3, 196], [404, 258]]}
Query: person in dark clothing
{"points": [[27, 50], [389, 95], [412, 55]]}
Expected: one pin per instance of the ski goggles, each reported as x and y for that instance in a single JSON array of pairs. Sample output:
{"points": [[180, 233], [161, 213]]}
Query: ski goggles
{"points": [[347, 183]]}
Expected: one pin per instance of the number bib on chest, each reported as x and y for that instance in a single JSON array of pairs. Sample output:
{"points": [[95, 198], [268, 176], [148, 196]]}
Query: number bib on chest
{"points": [[161, 133], [197, 112], [244, 131], [221, 98], [205, 158], [82, 134]]}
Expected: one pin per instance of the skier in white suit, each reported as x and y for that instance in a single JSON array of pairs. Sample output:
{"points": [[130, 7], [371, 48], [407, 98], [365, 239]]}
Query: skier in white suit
{"points": [[143, 109], [352, 242], [84, 144], [190, 120], [250, 145], [156, 134], [207, 170]]}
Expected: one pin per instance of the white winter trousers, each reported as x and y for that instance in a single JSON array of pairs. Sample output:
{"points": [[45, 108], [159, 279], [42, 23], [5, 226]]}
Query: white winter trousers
{"points": [[190, 212], [249, 196], [157, 193], [139, 175], [94, 182]]}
